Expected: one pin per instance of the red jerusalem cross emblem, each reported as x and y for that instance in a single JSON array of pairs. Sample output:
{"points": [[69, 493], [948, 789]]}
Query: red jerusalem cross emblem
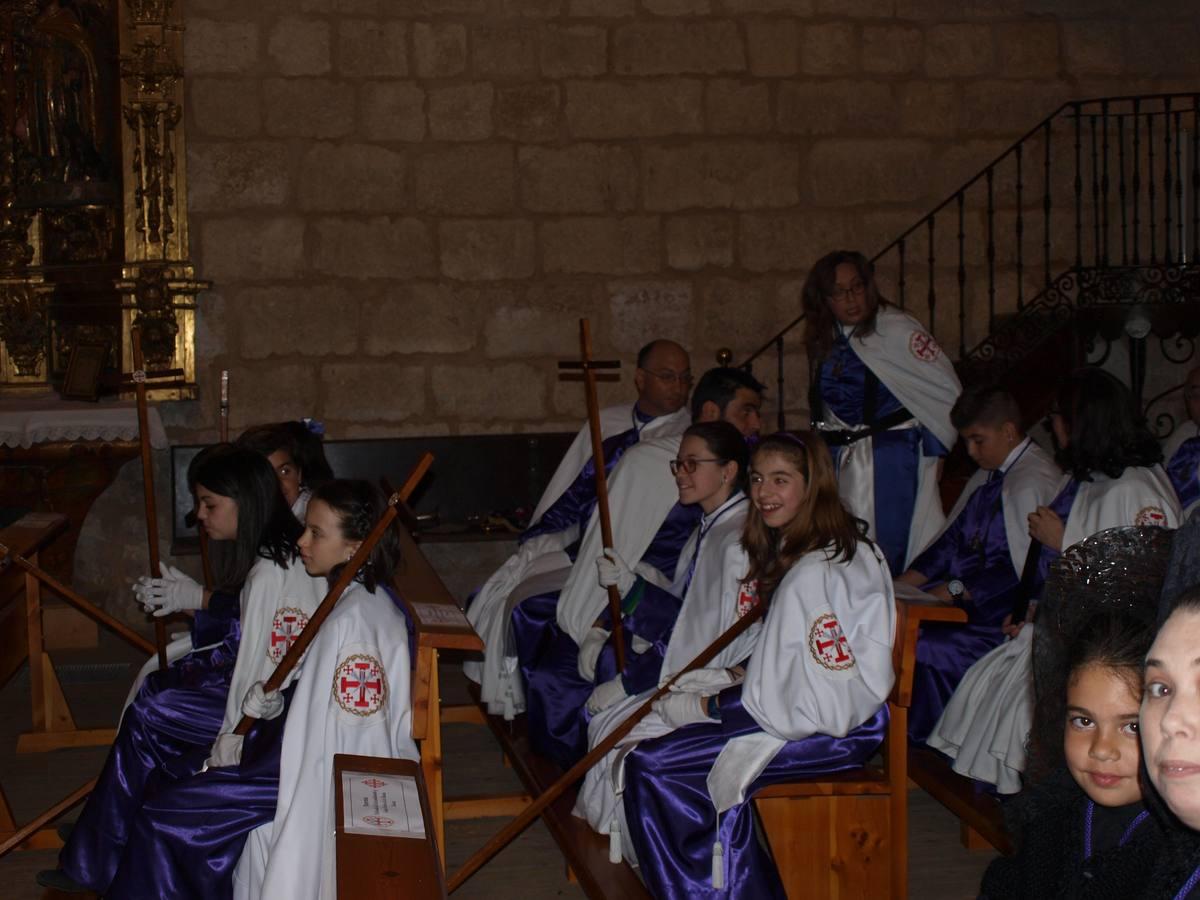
{"points": [[379, 821], [359, 685], [828, 645], [285, 627], [1151, 515], [923, 346], [747, 598]]}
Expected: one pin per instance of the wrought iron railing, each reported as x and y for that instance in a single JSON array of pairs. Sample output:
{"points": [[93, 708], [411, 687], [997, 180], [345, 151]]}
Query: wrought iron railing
{"points": [[1098, 203]]}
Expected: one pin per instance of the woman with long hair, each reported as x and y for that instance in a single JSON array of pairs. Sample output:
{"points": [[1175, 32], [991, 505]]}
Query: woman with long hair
{"points": [[171, 725], [821, 666], [881, 392]]}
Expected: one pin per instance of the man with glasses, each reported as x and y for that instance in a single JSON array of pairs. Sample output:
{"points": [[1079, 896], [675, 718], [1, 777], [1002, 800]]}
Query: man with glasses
{"points": [[663, 379], [1182, 450], [650, 528]]}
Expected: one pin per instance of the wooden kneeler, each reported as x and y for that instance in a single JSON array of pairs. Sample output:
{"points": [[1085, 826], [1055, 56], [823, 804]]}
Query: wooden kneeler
{"points": [[846, 835]]}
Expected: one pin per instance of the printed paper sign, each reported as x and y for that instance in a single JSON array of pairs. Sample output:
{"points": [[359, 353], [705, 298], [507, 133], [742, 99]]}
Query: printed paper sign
{"points": [[439, 614], [387, 805]]}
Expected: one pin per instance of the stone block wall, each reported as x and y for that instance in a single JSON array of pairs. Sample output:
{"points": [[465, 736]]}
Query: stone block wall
{"points": [[406, 205]]}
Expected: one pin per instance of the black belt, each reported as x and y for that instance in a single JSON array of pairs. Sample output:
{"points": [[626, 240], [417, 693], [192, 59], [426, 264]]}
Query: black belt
{"points": [[837, 437]]}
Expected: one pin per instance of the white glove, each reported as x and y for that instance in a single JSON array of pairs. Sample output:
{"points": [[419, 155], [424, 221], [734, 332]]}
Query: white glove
{"points": [[678, 710], [170, 594], [258, 704], [615, 572], [589, 652], [606, 695], [226, 751], [705, 681]]}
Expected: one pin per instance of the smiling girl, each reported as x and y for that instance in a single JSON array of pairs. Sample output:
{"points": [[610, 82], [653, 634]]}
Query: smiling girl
{"points": [[812, 700], [1086, 831]]}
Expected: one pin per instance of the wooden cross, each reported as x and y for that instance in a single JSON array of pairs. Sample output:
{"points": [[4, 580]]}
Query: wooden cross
{"points": [[589, 377], [139, 376]]}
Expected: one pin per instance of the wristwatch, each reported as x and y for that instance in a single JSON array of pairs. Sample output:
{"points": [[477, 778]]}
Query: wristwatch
{"points": [[956, 590]]}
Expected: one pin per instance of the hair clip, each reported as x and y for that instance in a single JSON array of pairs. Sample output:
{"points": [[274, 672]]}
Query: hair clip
{"points": [[314, 426]]}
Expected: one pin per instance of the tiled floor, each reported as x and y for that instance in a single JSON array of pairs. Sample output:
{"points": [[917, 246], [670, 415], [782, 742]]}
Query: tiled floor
{"points": [[531, 868]]}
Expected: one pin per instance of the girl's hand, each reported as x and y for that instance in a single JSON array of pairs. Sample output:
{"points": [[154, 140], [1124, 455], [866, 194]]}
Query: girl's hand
{"points": [[1047, 527]]}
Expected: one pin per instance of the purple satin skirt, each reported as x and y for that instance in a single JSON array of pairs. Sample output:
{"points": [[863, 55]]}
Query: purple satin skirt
{"points": [[672, 821], [166, 733], [189, 833], [944, 653]]}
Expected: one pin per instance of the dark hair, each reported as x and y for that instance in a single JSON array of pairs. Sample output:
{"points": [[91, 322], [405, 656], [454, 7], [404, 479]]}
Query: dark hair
{"points": [[265, 525], [720, 386], [302, 444], [985, 405], [1107, 432], [1113, 638], [726, 443], [358, 505], [818, 288], [822, 522]]}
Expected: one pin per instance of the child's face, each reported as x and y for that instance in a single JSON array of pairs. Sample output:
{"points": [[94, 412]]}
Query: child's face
{"points": [[1101, 739], [288, 473], [989, 445], [217, 513], [322, 545], [777, 488], [1170, 718]]}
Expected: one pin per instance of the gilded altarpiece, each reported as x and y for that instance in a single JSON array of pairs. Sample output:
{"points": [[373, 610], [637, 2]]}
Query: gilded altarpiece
{"points": [[93, 189]]}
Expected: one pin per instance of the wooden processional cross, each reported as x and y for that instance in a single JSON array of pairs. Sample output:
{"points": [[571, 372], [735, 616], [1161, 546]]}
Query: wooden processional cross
{"points": [[589, 377]]}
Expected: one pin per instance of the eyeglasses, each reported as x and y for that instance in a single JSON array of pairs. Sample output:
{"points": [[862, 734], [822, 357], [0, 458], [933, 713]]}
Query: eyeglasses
{"points": [[668, 377], [839, 293], [689, 465]]}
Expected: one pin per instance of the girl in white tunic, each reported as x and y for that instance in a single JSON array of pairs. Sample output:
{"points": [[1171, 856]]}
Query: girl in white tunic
{"points": [[812, 700], [710, 470], [1113, 478]]}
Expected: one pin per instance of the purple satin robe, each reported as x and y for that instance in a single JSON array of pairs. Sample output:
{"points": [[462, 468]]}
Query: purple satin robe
{"points": [[166, 733], [671, 818], [1184, 471]]}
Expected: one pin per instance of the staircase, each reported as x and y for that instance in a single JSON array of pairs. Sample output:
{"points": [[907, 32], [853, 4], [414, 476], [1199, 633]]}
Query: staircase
{"points": [[1086, 229]]}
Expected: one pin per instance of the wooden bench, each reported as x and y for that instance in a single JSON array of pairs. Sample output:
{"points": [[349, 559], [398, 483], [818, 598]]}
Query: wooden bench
{"points": [[440, 625], [981, 820], [384, 866], [846, 835]]}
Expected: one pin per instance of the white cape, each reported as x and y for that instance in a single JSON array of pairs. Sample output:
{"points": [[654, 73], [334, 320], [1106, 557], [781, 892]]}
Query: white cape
{"points": [[539, 558], [715, 599], [986, 722], [641, 493], [276, 604], [613, 420], [1031, 481], [909, 363], [353, 697]]}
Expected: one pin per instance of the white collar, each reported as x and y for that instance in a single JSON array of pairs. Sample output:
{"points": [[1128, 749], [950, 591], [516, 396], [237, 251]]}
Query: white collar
{"points": [[707, 519], [1013, 455]]}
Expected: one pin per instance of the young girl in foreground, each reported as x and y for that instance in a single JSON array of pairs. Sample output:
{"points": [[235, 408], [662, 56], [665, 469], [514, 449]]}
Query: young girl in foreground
{"points": [[1087, 832], [352, 696], [812, 700], [1170, 725], [171, 725]]}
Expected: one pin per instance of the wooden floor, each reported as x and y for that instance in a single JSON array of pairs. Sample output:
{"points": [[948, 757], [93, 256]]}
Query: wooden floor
{"points": [[531, 868]]}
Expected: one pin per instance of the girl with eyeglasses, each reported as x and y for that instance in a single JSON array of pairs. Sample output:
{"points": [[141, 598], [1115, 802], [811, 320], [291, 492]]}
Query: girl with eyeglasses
{"points": [[811, 700], [881, 393], [706, 596]]}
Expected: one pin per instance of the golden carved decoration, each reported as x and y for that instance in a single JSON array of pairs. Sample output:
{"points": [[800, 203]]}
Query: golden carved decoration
{"points": [[25, 325]]}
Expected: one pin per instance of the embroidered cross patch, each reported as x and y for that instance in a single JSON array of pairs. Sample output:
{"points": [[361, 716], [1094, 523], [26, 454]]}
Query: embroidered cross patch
{"points": [[360, 685], [828, 645], [923, 346], [285, 628], [1151, 515], [747, 598]]}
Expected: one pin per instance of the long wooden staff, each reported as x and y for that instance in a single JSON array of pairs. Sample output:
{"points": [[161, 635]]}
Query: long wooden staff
{"points": [[292, 657], [577, 771], [593, 405], [139, 380]]}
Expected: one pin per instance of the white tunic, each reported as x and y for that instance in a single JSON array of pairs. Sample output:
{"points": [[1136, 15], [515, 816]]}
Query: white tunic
{"points": [[276, 604], [542, 563], [715, 599], [353, 697], [985, 724], [909, 363]]}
